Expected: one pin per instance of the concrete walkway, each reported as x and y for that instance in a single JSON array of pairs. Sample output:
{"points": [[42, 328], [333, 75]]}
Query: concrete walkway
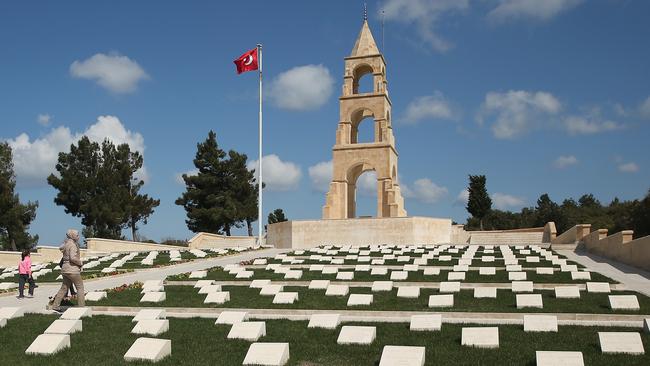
{"points": [[45, 290], [633, 278]]}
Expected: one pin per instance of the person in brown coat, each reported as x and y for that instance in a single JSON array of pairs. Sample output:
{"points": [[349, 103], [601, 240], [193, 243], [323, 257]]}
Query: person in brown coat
{"points": [[70, 270]]}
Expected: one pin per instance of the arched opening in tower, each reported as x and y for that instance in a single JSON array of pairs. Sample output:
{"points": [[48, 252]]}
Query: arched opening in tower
{"points": [[365, 196]]}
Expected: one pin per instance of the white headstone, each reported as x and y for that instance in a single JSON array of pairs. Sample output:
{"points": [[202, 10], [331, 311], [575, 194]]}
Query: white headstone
{"points": [[624, 302], [267, 354], [199, 274], [431, 271], [427, 322], [621, 342], [522, 286], [153, 297], [146, 314], [410, 292], [249, 331], [598, 287], [231, 317], [319, 284], [337, 290], [356, 335], [360, 300], [485, 292], [259, 283], [203, 283], [153, 327], [217, 297], [327, 321], [11, 312], [345, 276], [63, 326], [567, 292], [209, 289], [481, 337], [487, 271], [285, 298], [379, 271], [378, 286], [529, 301], [447, 287], [540, 323], [271, 290], [554, 358], [580, 275], [441, 301], [398, 275], [456, 276], [516, 276], [48, 344], [149, 349], [402, 356], [546, 271]]}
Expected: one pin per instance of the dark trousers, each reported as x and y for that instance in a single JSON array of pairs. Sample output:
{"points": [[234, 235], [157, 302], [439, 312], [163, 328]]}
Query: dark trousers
{"points": [[21, 284]]}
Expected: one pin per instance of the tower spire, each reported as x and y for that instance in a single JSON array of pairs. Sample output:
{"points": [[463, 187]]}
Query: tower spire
{"points": [[365, 12]]}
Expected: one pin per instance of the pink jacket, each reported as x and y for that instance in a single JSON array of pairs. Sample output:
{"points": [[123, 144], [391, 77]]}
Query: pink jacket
{"points": [[25, 266]]}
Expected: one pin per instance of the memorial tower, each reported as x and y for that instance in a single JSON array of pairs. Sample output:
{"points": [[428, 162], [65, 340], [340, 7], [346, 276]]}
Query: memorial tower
{"points": [[351, 158]]}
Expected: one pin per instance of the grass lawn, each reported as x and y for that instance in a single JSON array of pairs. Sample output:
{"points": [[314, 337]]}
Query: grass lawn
{"points": [[198, 341], [218, 274], [245, 297]]}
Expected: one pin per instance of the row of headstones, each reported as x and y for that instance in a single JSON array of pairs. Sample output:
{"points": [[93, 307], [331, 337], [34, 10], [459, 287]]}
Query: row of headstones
{"points": [[215, 294], [57, 335], [38, 269]]}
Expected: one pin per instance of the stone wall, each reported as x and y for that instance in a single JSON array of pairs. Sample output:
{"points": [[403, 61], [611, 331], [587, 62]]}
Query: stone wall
{"points": [[208, 240], [364, 231], [573, 235], [459, 235], [620, 247]]}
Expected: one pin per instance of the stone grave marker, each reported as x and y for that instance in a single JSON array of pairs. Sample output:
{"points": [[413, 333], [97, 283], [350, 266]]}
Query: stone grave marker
{"points": [[267, 354], [402, 356], [485, 292], [540, 323], [487, 271], [441, 301], [209, 289], [152, 327], [145, 314], [554, 358], [522, 286], [411, 292], [427, 322], [356, 335], [447, 287], [285, 298], [48, 344], [567, 292], [153, 297], [360, 300], [259, 283], [598, 287], [529, 301], [95, 295], [379, 286], [337, 290], [326, 321], [231, 317], [398, 275], [249, 331], [149, 349], [271, 290], [220, 297], [544, 271], [345, 276], [481, 337], [318, 284], [580, 275], [624, 302], [621, 342]]}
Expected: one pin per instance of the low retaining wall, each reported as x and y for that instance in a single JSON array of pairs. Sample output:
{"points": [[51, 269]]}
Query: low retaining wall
{"points": [[208, 240], [620, 247], [573, 235], [109, 245], [365, 231]]}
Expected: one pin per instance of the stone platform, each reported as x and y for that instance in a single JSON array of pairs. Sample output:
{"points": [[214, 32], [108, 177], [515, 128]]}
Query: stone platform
{"points": [[361, 231]]}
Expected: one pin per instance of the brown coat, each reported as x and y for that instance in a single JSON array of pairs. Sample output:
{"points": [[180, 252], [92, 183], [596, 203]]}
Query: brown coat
{"points": [[71, 258]]}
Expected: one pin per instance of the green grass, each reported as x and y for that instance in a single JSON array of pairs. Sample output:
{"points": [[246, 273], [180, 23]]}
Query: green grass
{"points": [[244, 297], [197, 341], [218, 274]]}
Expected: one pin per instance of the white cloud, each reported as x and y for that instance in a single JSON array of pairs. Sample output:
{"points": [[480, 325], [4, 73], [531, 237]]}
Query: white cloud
{"points": [[584, 125], [367, 184], [178, 178], [321, 175], [541, 10], [43, 119], [565, 161], [644, 108], [116, 73], [426, 15], [503, 201], [462, 198], [425, 190], [628, 168], [434, 106], [35, 159], [302, 88], [278, 175], [517, 111]]}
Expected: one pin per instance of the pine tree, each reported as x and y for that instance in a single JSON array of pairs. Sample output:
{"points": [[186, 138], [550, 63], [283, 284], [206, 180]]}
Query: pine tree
{"points": [[277, 216], [479, 202], [15, 217], [244, 189], [209, 201]]}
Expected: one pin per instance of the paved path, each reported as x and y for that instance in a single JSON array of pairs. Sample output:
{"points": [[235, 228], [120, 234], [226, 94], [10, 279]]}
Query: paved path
{"points": [[633, 278], [45, 290]]}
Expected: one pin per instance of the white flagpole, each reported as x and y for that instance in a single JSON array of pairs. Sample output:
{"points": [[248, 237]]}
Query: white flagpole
{"points": [[259, 179]]}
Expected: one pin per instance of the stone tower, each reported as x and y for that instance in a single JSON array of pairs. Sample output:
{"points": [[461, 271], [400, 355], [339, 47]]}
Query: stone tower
{"points": [[351, 159]]}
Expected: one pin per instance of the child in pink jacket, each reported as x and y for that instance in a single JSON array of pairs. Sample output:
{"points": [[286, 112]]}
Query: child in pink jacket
{"points": [[25, 275]]}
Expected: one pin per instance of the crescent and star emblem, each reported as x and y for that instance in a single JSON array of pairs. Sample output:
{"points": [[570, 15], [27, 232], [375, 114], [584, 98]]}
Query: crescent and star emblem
{"points": [[248, 60]]}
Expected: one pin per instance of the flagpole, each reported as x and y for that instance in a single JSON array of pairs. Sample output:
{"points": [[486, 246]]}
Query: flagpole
{"points": [[259, 179]]}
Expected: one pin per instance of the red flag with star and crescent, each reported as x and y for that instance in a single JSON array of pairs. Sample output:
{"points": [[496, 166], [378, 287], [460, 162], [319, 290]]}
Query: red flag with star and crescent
{"points": [[247, 61]]}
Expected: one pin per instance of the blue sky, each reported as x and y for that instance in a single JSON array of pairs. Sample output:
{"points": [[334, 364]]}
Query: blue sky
{"points": [[539, 96]]}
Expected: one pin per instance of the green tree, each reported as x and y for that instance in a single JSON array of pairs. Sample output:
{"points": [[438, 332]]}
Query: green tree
{"points": [[97, 183], [277, 216], [244, 189], [15, 217], [546, 211], [209, 200], [641, 217], [479, 202]]}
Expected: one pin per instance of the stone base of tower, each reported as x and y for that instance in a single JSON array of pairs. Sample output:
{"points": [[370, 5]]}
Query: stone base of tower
{"points": [[363, 231]]}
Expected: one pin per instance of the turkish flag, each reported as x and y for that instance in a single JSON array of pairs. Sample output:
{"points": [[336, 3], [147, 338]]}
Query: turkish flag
{"points": [[247, 61]]}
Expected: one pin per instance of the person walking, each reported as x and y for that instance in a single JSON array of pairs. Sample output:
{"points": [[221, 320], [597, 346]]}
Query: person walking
{"points": [[25, 275], [70, 270]]}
